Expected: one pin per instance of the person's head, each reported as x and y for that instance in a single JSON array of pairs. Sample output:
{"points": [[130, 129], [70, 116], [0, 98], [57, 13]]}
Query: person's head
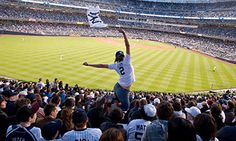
{"points": [[119, 56], [231, 104], [116, 115], [40, 79], [148, 112], [205, 126], [70, 102], [216, 110], [56, 99], [31, 97], [156, 101], [142, 102], [10, 95], [180, 129], [79, 118], [164, 110], [22, 102], [112, 134], [51, 129], [50, 110], [27, 113], [2, 102], [177, 106], [192, 112]]}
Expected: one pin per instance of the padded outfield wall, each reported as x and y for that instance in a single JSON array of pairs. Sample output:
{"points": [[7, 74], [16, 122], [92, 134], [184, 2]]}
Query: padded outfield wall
{"points": [[189, 1]]}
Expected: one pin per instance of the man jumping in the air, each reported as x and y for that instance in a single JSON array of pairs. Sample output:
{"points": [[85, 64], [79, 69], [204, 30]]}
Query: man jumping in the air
{"points": [[124, 68]]}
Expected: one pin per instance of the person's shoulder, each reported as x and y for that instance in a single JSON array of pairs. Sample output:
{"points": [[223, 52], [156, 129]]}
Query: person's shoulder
{"points": [[158, 123], [135, 121], [35, 129], [69, 133], [127, 56], [94, 130], [10, 127]]}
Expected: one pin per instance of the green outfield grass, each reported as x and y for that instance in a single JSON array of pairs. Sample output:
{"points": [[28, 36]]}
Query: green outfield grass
{"points": [[158, 66]]}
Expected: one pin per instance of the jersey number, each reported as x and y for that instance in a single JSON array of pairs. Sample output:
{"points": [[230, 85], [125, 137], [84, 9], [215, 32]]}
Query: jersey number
{"points": [[138, 136], [121, 69]]}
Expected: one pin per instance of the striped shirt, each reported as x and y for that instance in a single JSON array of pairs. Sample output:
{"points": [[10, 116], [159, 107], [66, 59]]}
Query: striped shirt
{"points": [[88, 134]]}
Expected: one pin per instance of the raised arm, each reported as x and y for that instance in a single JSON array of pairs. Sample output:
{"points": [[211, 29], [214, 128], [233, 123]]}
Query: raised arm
{"points": [[95, 65], [126, 41]]}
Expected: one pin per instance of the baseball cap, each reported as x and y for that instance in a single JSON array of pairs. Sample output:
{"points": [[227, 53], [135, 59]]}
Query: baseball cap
{"points": [[8, 93], [119, 54], [194, 111], [156, 101], [51, 128], [79, 116], [31, 97], [24, 93], [150, 110]]}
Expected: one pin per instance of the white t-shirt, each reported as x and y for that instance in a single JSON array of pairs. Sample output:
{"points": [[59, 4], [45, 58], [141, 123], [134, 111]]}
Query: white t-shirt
{"points": [[89, 134], [125, 71], [40, 85], [136, 129]]}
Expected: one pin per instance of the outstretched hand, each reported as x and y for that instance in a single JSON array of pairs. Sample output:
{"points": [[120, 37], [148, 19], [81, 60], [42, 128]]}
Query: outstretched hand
{"points": [[121, 30], [85, 63]]}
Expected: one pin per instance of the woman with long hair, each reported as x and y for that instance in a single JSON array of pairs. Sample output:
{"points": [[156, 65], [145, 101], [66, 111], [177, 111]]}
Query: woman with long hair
{"points": [[124, 68]]}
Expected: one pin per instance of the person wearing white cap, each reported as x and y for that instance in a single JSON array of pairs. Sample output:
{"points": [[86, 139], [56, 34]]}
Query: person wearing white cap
{"points": [[158, 129], [192, 113], [136, 127], [156, 101]]}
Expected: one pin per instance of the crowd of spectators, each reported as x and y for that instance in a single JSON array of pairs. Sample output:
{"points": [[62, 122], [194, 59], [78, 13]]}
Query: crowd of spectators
{"points": [[52, 110], [57, 111], [22, 13], [222, 9]]}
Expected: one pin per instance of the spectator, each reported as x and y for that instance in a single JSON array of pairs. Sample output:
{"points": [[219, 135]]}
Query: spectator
{"points": [[180, 129], [11, 98], [56, 100], [66, 115], [229, 112], [192, 113], [205, 127], [158, 129], [96, 115], [81, 132], [113, 120], [40, 84], [50, 130], [112, 134], [137, 114], [178, 110], [216, 112], [3, 118], [50, 112], [136, 127], [26, 115], [123, 66], [226, 133]]}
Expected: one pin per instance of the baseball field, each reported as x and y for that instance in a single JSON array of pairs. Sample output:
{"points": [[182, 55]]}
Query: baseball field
{"points": [[158, 66]]}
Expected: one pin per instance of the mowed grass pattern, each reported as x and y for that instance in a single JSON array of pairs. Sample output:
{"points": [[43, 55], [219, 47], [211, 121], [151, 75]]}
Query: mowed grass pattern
{"points": [[158, 66]]}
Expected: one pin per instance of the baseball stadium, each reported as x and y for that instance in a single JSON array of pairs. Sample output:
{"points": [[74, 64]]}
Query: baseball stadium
{"points": [[117, 67]]}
